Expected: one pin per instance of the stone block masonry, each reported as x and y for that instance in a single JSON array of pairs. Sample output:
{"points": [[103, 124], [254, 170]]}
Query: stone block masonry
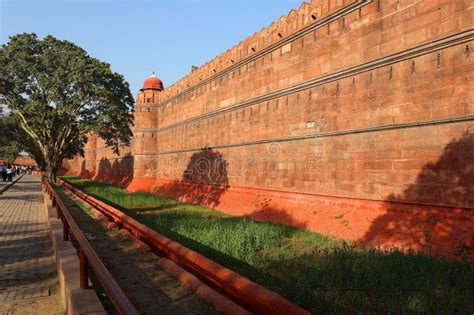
{"points": [[349, 118]]}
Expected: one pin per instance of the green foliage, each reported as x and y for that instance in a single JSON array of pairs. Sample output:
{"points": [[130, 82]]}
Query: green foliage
{"points": [[324, 275], [13, 140], [4, 127], [9, 152], [60, 94], [9, 145]]}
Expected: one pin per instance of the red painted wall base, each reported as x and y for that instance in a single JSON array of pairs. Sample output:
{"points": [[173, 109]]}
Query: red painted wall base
{"points": [[431, 229]]}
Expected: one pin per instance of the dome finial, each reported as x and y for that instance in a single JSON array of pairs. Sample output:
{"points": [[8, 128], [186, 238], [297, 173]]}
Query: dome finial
{"points": [[152, 83]]}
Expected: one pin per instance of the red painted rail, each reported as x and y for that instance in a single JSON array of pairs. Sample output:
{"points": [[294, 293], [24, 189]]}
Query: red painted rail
{"points": [[247, 293], [88, 257]]}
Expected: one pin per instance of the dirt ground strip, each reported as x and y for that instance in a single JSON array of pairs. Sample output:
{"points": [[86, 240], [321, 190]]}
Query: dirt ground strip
{"points": [[151, 289]]}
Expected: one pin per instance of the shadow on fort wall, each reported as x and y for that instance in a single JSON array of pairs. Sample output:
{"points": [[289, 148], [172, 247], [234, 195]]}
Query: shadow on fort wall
{"points": [[204, 180], [423, 217], [119, 172], [278, 216], [449, 181], [84, 172]]}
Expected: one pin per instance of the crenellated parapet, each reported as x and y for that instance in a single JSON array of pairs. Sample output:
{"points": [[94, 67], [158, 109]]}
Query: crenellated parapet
{"points": [[309, 13]]}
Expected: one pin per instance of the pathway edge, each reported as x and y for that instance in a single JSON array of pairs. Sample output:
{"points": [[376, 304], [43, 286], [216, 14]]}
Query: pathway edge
{"points": [[74, 299]]}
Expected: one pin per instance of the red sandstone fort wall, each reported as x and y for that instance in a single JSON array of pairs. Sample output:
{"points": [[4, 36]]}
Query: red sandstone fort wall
{"points": [[350, 118]]}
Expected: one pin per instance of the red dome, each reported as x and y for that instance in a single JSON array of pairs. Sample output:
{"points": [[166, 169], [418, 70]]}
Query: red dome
{"points": [[152, 83]]}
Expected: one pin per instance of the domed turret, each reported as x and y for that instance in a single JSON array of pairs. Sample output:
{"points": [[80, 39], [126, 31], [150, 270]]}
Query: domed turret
{"points": [[152, 83]]}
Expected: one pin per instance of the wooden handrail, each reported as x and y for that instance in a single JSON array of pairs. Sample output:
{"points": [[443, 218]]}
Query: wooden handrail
{"points": [[88, 256]]}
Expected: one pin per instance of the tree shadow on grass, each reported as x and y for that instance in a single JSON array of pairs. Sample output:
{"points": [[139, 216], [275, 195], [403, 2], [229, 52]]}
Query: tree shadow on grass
{"points": [[324, 275], [204, 180], [432, 228], [332, 276], [346, 279]]}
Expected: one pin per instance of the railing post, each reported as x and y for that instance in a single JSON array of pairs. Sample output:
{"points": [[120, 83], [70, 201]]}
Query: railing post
{"points": [[65, 230], [84, 266], [57, 212]]}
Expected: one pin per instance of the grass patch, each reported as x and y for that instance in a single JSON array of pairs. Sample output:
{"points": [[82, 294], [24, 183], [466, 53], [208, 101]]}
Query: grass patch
{"points": [[82, 206], [319, 273]]}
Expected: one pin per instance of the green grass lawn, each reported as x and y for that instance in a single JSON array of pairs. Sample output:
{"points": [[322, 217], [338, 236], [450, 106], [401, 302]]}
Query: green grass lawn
{"points": [[319, 273]]}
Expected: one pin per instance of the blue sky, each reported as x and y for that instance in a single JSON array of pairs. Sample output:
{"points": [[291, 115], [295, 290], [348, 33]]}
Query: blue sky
{"points": [[138, 37]]}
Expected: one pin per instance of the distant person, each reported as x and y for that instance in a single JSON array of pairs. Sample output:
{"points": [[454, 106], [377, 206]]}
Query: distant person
{"points": [[9, 173], [4, 172]]}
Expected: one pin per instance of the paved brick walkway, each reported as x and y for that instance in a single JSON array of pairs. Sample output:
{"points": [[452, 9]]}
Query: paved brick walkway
{"points": [[2, 183], [28, 277]]}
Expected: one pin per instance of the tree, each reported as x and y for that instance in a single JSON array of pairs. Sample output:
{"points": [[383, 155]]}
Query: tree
{"points": [[60, 94]]}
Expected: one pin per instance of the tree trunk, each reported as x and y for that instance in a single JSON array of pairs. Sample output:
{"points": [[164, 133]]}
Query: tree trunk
{"points": [[51, 173], [53, 164]]}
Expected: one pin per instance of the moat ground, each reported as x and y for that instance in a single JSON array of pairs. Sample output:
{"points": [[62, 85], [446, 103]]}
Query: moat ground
{"points": [[314, 271]]}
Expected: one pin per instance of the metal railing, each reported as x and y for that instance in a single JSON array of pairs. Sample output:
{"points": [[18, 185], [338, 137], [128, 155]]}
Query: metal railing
{"points": [[88, 257], [241, 290]]}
